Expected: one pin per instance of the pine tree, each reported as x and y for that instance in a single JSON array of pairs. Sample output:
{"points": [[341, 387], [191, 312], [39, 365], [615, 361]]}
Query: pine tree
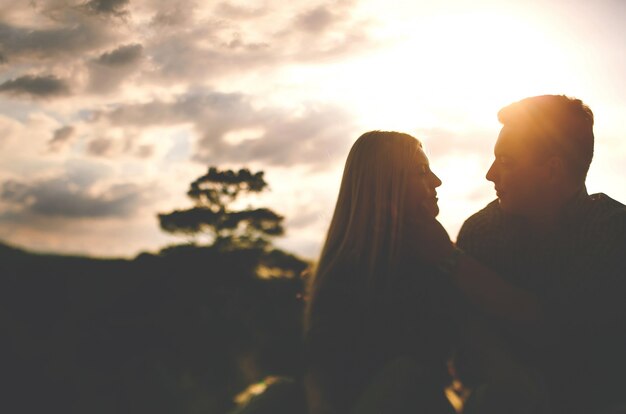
{"points": [[213, 195]]}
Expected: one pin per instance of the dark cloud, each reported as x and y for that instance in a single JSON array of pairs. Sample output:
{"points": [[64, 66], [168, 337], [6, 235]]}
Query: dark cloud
{"points": [[175, 16], [180, 55], [315, 20], [14, 191], [185, 46], [316, 135], [240, 40], [3, 59], [68, 40], [112, 147], [109, 7], [111, 69], [62, 197], [61, 138], [186, 108], [37, 86], [100, 146], [327, 32], [123, 55]]}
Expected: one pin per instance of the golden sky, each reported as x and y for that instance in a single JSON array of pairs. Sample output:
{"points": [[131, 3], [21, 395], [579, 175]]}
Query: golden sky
{"points": [[110, 108]]}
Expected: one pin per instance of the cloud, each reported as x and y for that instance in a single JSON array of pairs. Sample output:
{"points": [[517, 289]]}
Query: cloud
{"points": [[167, 14], [85, 174], [69, 38], [108, 7], [36, 86], [100, 146], [315, 20], [188, 42], [14, 191], [63, 197], [61, 138], [113, 142], [145, 151], [184, 108], [310, 137], [327, 32], [123, 55], [305, 218], [306, 135], [111, 69], [237, 39], [10, 130], [193, 43], [182, 56], [232, 11]]}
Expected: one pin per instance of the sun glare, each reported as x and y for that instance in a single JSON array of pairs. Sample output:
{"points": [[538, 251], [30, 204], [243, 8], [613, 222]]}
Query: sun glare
{"points": [[456, 67]]}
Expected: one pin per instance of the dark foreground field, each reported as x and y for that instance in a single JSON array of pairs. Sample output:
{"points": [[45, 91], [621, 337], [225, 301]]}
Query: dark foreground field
{"points": [[180, 332]]}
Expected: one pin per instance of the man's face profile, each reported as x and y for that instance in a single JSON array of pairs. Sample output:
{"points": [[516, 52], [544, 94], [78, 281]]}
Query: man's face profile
{"points": [[518, 175]]}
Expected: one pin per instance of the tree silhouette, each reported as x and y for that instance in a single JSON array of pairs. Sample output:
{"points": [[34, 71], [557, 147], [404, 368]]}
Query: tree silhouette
{"points": [[248, 294], [213, 194]]}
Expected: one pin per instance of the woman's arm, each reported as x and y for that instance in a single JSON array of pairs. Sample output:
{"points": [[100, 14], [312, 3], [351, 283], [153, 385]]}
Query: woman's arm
{"points": [[518, 310], [493, 295]]}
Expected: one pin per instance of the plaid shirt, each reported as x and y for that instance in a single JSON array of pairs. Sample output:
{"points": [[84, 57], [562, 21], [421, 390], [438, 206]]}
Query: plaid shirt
{"points": [[581, 265], [579, 274]]}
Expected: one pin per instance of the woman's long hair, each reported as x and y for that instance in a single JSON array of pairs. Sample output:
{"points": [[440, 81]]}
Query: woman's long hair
{"points": [[370, 222], [370, 299], [350, 308]]}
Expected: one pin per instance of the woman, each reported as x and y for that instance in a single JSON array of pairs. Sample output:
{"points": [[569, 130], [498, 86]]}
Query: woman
{"points": [[376, 309]]}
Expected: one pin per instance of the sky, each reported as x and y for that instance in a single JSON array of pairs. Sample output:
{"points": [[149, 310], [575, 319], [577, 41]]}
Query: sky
{"points": [[109, 109]]}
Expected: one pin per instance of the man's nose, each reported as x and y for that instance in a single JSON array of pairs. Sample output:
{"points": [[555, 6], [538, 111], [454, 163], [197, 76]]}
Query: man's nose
{"points": [[491, 173]]}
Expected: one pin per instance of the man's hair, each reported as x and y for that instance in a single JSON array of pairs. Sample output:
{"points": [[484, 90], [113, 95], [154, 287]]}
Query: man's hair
{"points": [[559, 125]]}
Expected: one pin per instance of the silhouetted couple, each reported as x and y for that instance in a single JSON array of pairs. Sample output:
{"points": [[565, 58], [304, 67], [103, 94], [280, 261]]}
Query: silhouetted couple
{"points": [[532, 308]]}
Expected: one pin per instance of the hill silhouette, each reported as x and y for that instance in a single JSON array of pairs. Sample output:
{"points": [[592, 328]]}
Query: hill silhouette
{"points": [[182, 331]]}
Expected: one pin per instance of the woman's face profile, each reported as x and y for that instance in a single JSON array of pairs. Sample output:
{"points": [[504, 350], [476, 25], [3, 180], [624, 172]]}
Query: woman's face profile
{"points": [[422, 186]]}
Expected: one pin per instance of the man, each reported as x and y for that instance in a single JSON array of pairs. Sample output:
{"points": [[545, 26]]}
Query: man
{"points": [[546, 235]]}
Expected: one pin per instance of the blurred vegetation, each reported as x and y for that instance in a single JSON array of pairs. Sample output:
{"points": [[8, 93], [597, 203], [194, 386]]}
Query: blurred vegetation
{"points": [[181, 331]]}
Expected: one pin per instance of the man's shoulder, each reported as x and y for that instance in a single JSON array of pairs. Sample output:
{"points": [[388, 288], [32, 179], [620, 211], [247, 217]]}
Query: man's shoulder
{"points": [[607, 213], [603, 203], [488, 217], [486, 224]]}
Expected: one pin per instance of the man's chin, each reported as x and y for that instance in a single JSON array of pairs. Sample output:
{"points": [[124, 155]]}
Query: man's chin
{"points": [[503, 205], [506, 207]]}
